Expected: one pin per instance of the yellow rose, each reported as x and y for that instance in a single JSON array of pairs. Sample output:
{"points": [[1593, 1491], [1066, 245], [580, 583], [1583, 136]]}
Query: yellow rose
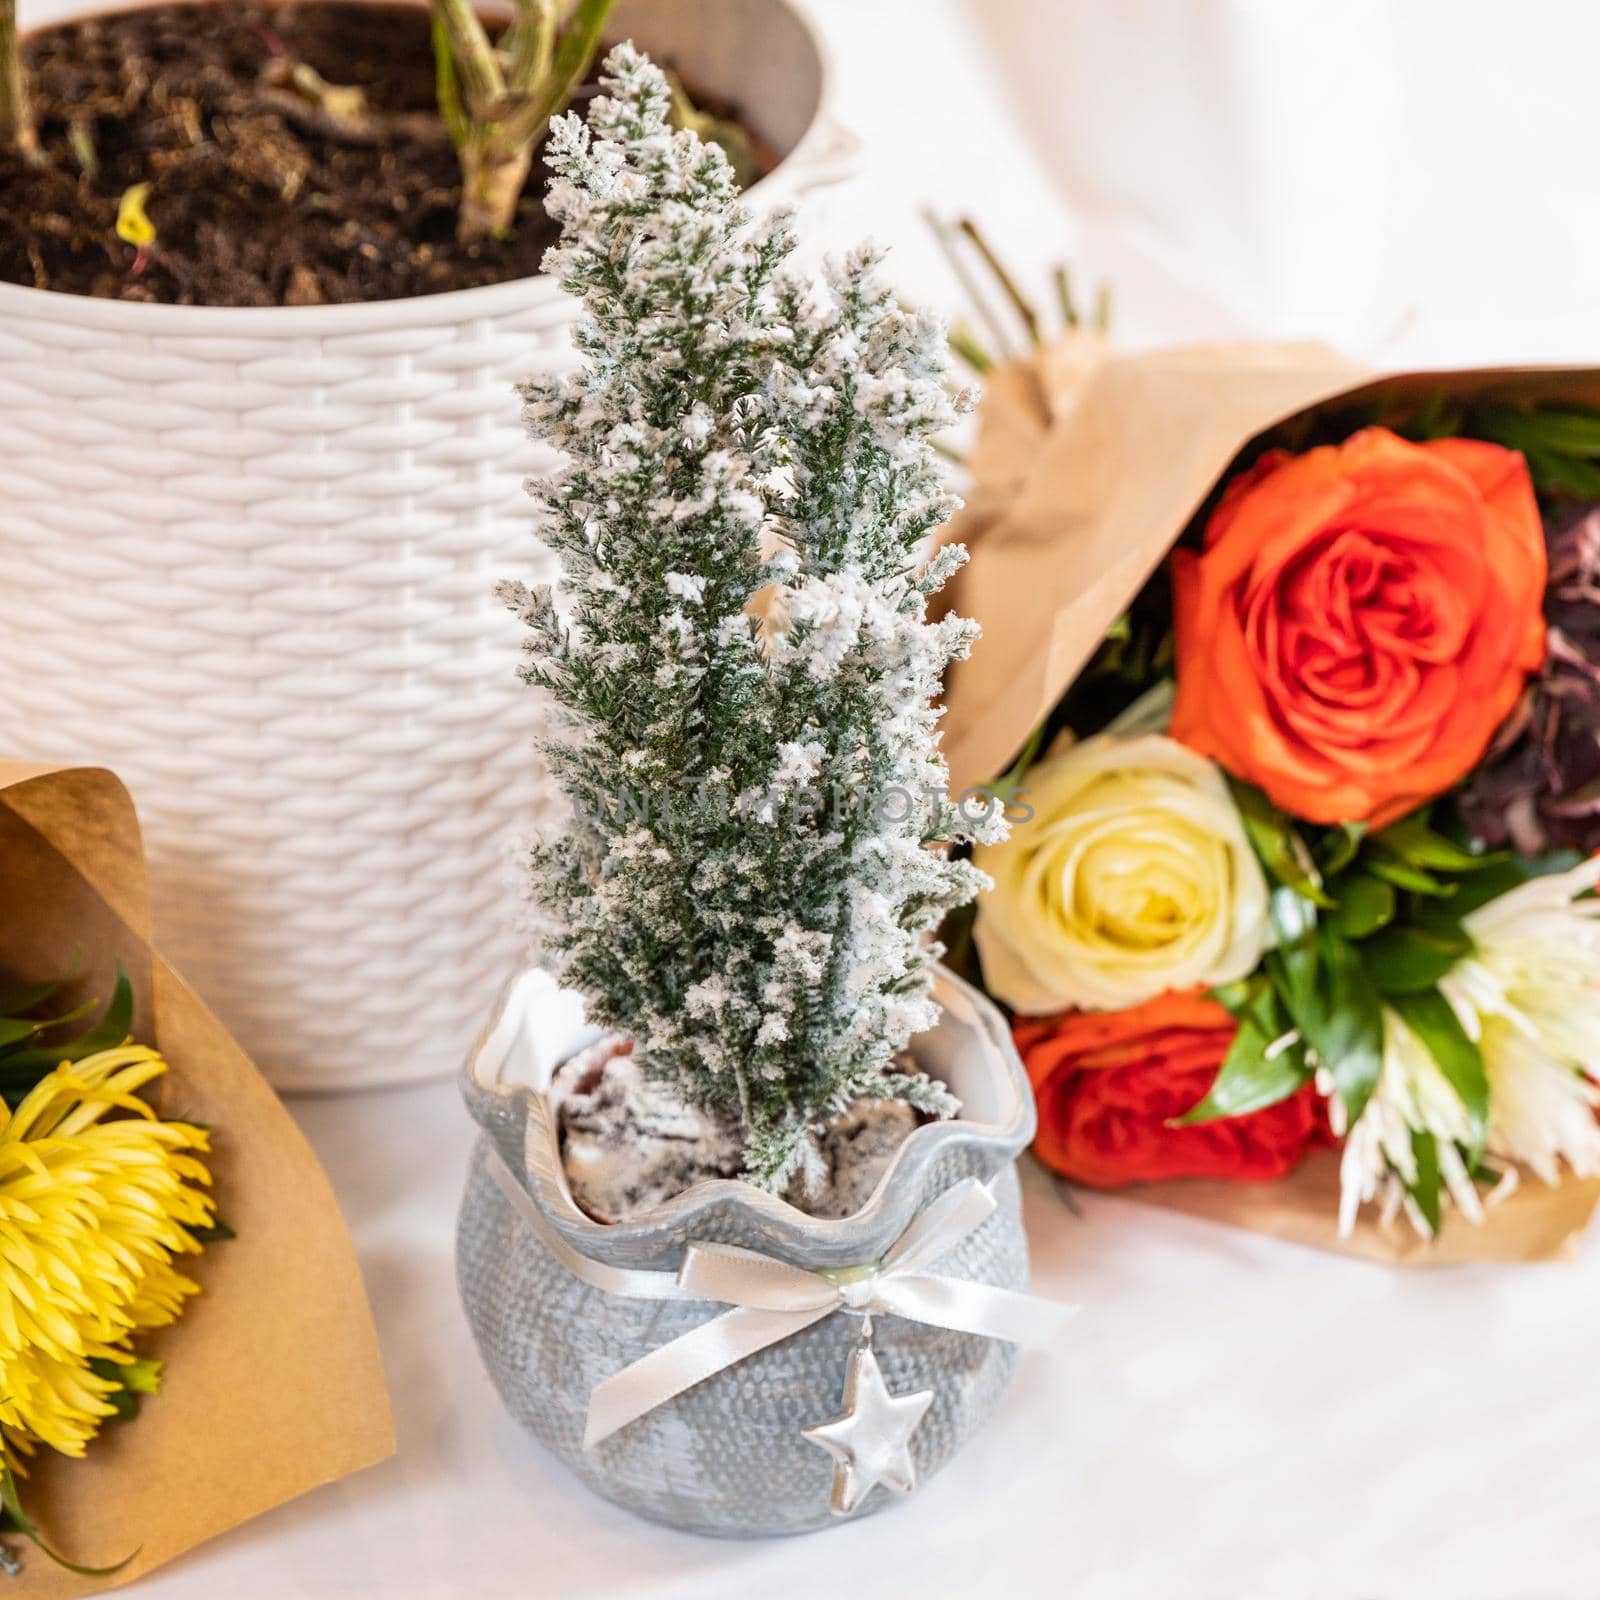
{"points": [[1133, 876]]}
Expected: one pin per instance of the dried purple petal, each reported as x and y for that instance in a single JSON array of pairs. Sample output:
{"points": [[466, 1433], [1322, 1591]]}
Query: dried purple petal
{"points": [[1538, 787]]}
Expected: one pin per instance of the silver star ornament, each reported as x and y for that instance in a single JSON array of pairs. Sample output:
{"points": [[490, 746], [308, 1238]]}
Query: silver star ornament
{"points": [[870, 1440]]}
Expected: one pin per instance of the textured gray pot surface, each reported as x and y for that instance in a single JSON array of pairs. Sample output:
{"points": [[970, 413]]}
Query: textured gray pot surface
{"points": [[727, 1457]]}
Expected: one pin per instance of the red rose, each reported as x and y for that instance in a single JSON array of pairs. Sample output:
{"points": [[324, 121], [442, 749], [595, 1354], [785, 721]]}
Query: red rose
{"points": [[1361, 621], [1109, 1084]]}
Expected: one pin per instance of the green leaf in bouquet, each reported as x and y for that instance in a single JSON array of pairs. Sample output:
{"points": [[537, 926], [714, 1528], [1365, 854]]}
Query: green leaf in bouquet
{"points": [[1253, 1075], [1500, 874], [1439, 417], [1263, 1065], [1404, 960], [15, 1029], [1430, 1016], [1237, 997], [1291, 963], [1561, 443], [112, 1029], [1341, 1020], [141, 1375], [1425, 1190], [1405, 876], [21, 1069], [1563, 475], [1294, 917], [25, 997], [1007, 784], [1337, 848], [1365, 904], [1278, 843], [1564, 430], [135, 1379], [124, 1402], [1414, 843], [1330, 1001]]}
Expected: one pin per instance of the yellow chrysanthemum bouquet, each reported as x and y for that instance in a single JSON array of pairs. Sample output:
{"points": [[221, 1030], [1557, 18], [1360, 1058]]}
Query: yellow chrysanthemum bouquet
{"points": [[99, 1199], [114, 1082]]}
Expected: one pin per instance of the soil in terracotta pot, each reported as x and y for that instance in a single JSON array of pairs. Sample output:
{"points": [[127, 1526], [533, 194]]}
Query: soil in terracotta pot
{"points": [[627, 1144], [259, 194]]}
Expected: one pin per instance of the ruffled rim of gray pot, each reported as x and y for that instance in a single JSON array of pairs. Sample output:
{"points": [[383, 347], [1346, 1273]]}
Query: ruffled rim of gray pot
{"points": [[535, 1025]]}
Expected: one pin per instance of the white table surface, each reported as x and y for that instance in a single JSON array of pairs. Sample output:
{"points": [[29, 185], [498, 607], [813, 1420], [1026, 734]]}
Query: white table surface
{"points": [[1229, 1417]]}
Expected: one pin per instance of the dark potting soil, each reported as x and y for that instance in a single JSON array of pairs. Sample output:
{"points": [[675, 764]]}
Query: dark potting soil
{"points": [[259, 194]]}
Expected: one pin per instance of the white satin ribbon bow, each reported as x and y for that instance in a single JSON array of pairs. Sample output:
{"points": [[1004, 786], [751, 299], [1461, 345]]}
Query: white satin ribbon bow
{"points": [[774, 1300]]}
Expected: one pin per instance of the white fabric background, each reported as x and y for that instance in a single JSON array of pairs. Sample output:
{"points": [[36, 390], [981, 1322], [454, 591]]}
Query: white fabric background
{"points": [[1229, 1418], [1412, 179]]}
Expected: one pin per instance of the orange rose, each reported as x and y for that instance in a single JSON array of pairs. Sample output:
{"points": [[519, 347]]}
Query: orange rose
{"points": [[1361, 621], [1111, 1084]]}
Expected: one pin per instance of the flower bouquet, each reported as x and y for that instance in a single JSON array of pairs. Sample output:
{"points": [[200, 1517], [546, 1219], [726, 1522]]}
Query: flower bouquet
{"points": [[1299, 892], [166, 1237]]}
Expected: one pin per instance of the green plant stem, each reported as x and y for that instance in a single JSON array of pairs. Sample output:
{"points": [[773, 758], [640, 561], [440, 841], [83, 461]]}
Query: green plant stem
{"points": [[970, 351], [491, 185], [997, 332], [16, 114], [1024, 306], [573, 53], [475, 69], [498, 103], [1069, 311], [18, 1520], [533, 40]]}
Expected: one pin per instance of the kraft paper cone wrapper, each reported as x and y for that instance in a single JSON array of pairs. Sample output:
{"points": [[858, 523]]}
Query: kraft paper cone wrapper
{"points": [[1088, 466], [272, 1382]]}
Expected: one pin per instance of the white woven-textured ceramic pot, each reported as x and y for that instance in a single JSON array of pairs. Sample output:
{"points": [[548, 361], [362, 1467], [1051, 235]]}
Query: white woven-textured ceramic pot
{"points": [[727, 1455], [247, 560]]}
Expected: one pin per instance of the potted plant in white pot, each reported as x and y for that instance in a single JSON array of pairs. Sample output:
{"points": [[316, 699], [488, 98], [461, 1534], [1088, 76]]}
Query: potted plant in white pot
{"points": [[278, 525], [792, 1115]]}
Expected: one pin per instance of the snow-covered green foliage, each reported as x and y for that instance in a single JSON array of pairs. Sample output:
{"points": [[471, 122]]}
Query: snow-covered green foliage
{"points": [[740, 645]]}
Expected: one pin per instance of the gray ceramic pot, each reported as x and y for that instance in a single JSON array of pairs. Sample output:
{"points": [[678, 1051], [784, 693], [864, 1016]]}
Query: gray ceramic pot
{"points": [[727, 1456]]}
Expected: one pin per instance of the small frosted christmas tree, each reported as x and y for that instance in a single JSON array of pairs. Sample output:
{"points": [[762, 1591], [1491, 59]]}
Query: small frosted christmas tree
{"points": [[741, 656]]}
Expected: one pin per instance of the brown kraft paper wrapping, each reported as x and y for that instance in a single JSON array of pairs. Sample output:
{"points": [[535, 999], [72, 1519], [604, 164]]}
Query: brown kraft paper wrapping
{"points": [[1089, 463], [273, 1383]]}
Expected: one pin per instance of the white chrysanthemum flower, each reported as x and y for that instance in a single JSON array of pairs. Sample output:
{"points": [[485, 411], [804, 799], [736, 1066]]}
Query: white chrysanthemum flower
{"points": [[1379, 1163], [1529, 995]]}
